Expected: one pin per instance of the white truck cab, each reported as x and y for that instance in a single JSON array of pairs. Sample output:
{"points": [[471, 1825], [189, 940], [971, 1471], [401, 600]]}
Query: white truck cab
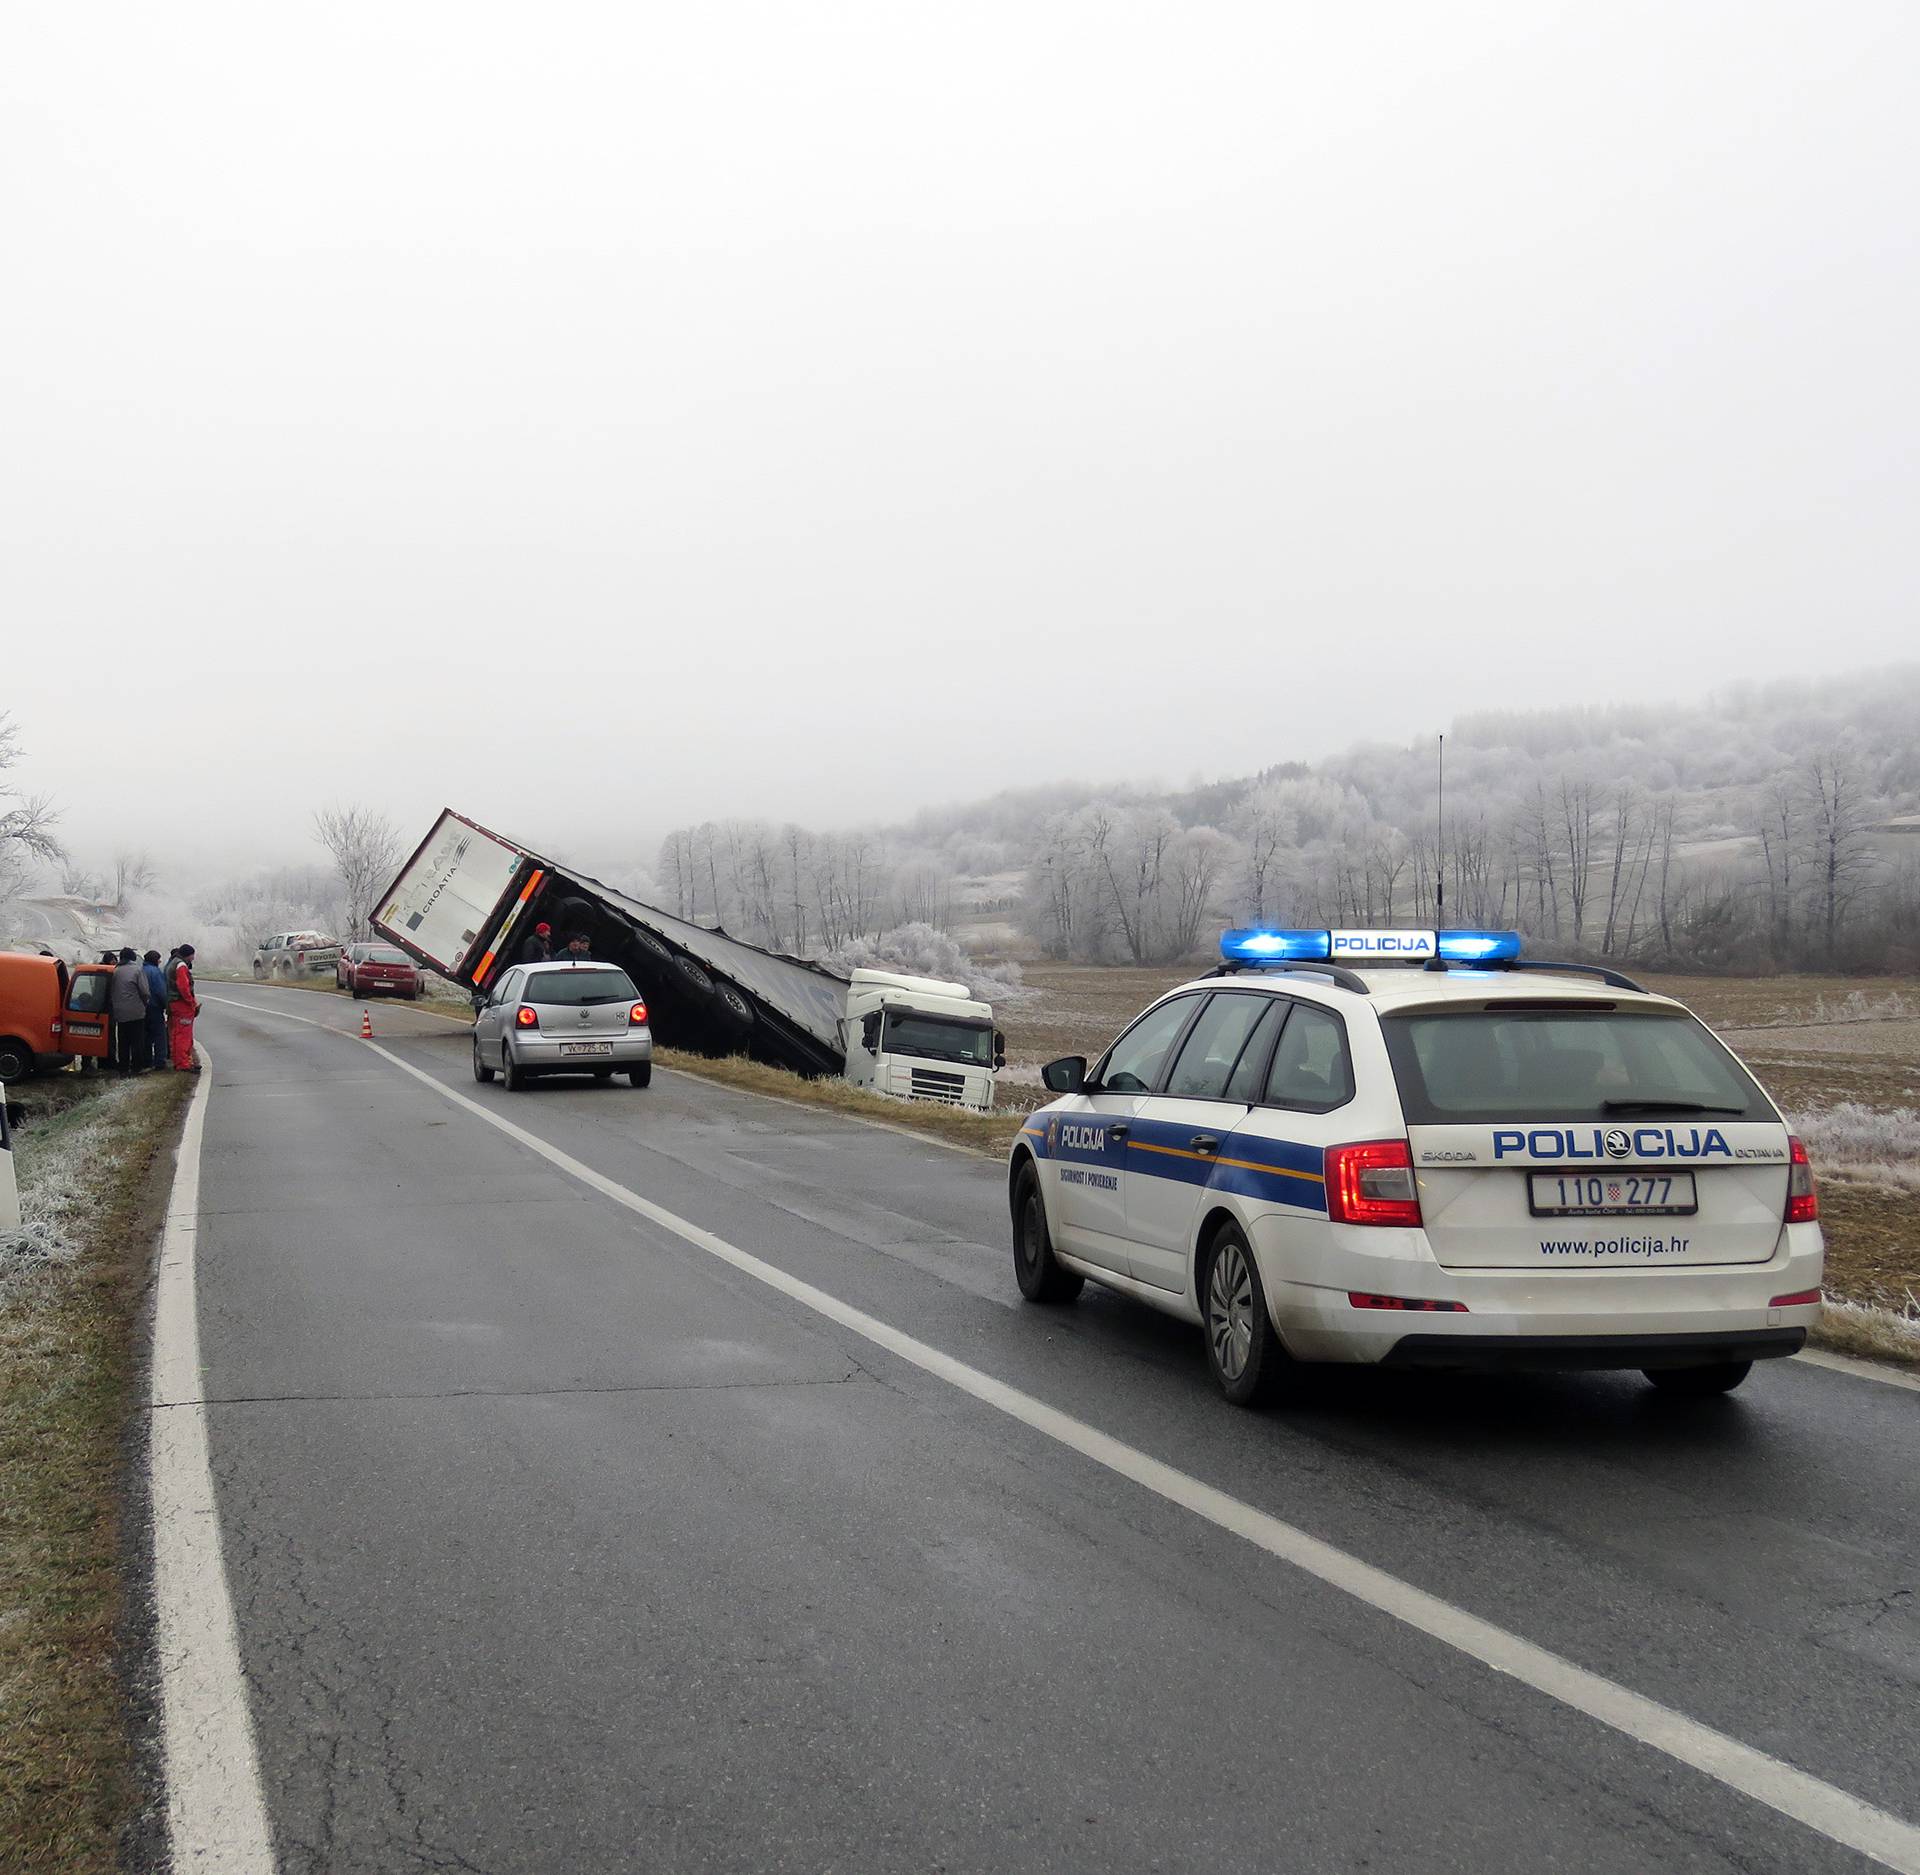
{"points": [[920, 1039]]}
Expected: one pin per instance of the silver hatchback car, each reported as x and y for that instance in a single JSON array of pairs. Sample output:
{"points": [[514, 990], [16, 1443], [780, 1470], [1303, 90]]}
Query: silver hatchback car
{"points": [[563, 1018]]}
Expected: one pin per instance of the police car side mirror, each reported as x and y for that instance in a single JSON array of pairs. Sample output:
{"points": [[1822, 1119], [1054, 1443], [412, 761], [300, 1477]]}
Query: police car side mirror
{"points": [[1068, 1075]]}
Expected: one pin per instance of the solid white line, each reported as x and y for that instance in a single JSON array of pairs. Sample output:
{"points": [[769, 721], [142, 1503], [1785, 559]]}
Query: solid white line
{"points": [[1860, 1370], [216, 1814], [1824, 1808]]}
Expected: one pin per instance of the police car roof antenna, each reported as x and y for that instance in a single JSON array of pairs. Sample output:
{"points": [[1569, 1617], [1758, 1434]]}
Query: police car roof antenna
{"points": [[1436, 961]]}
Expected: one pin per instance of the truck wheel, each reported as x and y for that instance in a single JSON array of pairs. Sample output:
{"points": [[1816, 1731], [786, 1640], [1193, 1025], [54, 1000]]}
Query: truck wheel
{"points": [[693, 977], [481, 1072], [259, 970], [656, 947], [16, 1060], [1040, 1277], [733, 1004]]}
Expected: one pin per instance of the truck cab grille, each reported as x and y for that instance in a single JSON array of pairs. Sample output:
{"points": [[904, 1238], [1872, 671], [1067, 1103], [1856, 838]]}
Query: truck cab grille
{"points": [[930, 1084]]}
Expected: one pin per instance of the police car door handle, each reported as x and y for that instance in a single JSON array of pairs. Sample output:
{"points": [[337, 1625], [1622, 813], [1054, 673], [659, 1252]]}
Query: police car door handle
{"points": [[1203, 1142], [1118, 1130]]}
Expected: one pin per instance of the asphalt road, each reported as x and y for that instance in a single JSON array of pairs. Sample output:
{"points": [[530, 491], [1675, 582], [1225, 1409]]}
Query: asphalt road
{"points": [[558, 1545]]}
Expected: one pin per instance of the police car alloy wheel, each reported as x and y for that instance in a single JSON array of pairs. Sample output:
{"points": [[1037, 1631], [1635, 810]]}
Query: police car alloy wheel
{"points": [[1040, 1276], [1244, 1352]]}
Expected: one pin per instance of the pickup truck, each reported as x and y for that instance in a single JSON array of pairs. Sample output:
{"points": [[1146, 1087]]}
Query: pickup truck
{"points": [[289, 954]]}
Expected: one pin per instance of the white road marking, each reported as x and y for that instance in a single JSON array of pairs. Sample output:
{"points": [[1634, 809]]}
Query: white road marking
{"points": [[1826, 1809], [1860, 1370], [216, 1814]]}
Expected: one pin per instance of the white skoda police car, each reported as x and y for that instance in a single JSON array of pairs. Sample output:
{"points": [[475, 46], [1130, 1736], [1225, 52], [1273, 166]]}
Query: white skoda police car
{"points": [[1418, 1149]]}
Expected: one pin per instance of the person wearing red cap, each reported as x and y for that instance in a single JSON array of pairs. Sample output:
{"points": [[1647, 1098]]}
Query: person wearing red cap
{"points": [[538, 949]]}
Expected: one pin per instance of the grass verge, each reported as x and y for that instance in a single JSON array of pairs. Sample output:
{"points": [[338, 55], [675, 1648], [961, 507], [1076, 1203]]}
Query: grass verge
{"points": [[988, 1133], [1868, 1333], [94, 1172]]}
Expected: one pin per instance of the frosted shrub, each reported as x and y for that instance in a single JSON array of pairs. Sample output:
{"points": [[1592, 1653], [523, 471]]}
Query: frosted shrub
{"points": [[1877, 1144], [919, 950]]}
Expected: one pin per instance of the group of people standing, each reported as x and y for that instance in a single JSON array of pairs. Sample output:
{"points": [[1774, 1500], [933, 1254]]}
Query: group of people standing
{"points": [[152, 1006]]}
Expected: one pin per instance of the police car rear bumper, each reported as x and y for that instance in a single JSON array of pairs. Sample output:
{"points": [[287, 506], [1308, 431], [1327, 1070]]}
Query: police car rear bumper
{"points": [[1596, 1318]]}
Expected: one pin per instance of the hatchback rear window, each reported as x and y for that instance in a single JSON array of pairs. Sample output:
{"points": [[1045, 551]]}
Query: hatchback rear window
{"points": [[571, 989], [1462, 1066]]}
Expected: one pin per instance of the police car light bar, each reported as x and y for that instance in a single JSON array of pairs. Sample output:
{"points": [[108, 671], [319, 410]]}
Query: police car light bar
{"points": [[1257, 946]]}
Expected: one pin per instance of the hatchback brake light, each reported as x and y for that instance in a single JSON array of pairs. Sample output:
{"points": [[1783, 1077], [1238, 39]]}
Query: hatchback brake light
{"points": [[527, 1017], [637, 1016], [1372, 1183], [1803, 1197]]}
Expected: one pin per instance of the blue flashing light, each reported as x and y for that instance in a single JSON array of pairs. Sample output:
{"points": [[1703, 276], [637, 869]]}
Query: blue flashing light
{"points": [[1479, 947], [1273, 947]]}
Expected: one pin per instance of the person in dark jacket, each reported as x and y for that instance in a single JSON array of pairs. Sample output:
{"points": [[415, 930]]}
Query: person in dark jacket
{"points": [[538, 949], [127, 1004], [578, 950], [156, 1009]]}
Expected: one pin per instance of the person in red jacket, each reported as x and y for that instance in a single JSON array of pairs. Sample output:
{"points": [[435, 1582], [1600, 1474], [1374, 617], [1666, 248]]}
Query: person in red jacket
{"points": [[182, 1006]]}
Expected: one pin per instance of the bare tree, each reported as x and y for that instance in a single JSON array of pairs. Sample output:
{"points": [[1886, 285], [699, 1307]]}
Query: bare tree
{"points": [[27, 821], [365, 849], [1837, 827]]}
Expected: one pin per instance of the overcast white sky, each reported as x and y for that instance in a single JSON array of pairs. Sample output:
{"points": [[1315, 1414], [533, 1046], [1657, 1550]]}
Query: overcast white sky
{"points": [[600, 417]]}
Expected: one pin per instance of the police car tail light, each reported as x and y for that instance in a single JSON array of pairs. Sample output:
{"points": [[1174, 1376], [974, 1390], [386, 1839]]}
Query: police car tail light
{"points": [[1418, 1305], [526, 1017], [1800, 1299], [1372, 1183], [637, 1016], [1803, 1197], [1271, 947]]}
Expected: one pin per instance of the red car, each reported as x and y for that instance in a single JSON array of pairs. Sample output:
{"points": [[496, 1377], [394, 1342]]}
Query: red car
{"points": [[374, 969]]}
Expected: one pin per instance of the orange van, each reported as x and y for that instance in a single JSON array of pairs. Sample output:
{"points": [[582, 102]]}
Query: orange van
{"points": [[51, 1013]]}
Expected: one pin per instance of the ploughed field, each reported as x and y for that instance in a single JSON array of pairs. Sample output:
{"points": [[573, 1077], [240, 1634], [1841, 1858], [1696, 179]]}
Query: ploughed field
{"points": [[1840, 1054]]}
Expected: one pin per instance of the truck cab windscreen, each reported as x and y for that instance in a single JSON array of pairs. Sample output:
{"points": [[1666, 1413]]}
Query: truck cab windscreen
{"points": [[938, 1038], [1491, 1066]]}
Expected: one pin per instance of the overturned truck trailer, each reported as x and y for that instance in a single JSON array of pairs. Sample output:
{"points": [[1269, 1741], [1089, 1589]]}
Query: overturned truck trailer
{"points": [[468, 900]]}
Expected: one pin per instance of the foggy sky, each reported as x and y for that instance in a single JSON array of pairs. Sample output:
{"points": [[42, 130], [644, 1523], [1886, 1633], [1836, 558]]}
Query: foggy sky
{"points": [[601, 418]]}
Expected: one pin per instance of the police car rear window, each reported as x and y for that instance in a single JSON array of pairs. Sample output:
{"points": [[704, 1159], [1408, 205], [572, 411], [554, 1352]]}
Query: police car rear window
{"points": [[1487, 1065]]}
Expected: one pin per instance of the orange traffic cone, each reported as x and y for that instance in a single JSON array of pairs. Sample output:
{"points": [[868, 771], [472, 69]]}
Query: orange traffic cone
{"points": [[366, 1025]]}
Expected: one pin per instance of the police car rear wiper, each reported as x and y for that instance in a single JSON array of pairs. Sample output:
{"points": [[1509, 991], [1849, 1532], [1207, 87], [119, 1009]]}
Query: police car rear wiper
{"points": [[1664, 1106]]}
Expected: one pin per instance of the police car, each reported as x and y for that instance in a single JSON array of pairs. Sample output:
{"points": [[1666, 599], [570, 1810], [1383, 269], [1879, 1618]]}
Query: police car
{"points": [[1420, 1149]]}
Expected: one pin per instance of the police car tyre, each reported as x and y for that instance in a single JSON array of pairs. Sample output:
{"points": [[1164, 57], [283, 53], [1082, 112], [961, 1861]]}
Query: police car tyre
{"points": [[1242, 1347], [1035, 1268], [481, 1072], [642, 1076], [513, 1077], [1699, 1383]]}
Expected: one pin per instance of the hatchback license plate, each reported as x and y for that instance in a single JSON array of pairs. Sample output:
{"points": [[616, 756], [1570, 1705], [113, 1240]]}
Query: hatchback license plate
{"points": [[1612, 1194], [586, 1048]]}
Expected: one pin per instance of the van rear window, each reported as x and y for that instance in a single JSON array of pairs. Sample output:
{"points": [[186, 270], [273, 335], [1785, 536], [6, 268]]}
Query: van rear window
{"points": [[1463, 1066]]}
